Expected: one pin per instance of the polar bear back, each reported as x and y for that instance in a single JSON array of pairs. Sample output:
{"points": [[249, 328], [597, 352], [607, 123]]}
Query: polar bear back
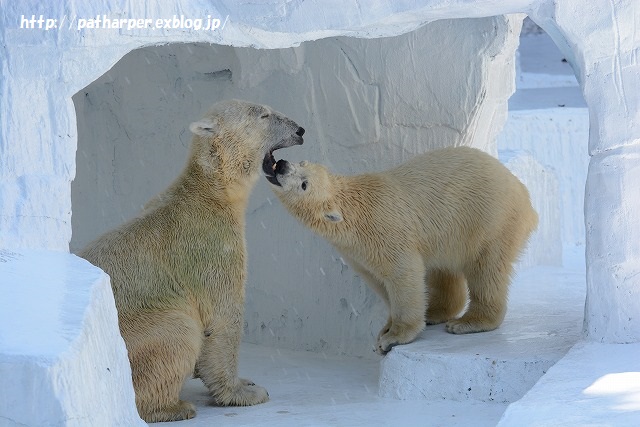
{"points": [[449, 202]]}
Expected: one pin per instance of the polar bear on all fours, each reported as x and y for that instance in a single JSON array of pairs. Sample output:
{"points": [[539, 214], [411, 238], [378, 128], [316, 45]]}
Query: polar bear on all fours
{"points": [[178, 269], [427, 235]]}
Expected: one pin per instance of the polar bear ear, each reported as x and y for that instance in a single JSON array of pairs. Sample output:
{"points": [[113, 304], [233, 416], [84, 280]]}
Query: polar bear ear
{"points": [[333, 216], [203, 127]]}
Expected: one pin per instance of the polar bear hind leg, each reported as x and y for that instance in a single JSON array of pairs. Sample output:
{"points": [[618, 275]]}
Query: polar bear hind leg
{"points": [[447, 295], [218, 365], [488, 282], [163, 348]]}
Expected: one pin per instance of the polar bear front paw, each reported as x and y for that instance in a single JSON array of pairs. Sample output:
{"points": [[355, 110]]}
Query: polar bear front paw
{"points": [[385, 343], [392, 337], [249, 393], [245, 393], [466, 325], [177, 412], [384, 330], [247, 382]]}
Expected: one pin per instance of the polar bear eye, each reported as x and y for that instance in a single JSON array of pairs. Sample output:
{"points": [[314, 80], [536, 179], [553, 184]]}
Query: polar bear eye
{"points": [[264, 116], [304, 186]]}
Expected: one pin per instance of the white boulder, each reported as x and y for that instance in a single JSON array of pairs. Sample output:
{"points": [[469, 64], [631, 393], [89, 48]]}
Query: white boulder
{"points": [[62, 359]]}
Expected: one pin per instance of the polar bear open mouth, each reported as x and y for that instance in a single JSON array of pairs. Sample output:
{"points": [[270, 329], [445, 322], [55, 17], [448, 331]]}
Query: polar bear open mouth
{"points": [[269, 162], [277, 168], [270, 167]]}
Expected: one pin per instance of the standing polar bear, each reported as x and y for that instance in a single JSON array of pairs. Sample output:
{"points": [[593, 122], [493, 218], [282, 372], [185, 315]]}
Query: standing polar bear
{"points": [[178, 269], [416, 232]]}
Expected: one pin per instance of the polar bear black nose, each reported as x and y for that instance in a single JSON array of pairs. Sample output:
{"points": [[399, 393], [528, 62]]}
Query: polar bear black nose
{"points": [[300, 131]]}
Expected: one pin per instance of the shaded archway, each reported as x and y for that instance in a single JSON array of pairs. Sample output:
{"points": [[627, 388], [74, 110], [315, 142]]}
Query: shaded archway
{"points": [[366, 105]]}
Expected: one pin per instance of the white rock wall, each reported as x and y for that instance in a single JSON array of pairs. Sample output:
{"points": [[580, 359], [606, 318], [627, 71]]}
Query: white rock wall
{"points": [[602, 45], [363, 108]]}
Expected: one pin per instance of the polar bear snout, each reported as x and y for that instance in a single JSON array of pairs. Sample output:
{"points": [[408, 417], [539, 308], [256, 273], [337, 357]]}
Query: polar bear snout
{"points": [[279, 168], [283, 167], [292, 135], [272, 169], [269, 164]]}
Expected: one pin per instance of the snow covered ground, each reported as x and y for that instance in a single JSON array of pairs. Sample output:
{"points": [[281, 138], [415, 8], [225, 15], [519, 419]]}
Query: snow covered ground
{"points": [[307, 389]]}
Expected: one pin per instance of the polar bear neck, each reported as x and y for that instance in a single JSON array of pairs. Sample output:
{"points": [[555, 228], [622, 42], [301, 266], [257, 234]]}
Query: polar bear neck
{"points": [[209, 189], [354, 197]]}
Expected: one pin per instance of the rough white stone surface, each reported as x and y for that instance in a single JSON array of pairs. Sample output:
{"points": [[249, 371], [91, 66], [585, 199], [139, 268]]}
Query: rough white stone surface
{"points": [[601, 43], [593, 385], [62, 360], [543, 321], [612, 311]]}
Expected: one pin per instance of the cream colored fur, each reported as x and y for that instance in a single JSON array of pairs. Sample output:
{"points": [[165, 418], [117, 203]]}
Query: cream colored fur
{"points": [[443, 227], [178, 269]]}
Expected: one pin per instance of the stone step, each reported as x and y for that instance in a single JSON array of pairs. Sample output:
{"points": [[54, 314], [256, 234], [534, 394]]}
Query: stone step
{"points": [[543, 322], [594, 384], [563, 98]]}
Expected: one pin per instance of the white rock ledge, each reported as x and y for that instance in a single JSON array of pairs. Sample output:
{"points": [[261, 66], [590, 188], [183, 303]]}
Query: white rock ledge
{"points": [[62, 359], [543, 322], [595, 384]]}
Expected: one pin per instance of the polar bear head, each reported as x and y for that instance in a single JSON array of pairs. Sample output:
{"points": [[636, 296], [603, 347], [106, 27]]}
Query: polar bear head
{"points": [[308, 191], [235, 138]]}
